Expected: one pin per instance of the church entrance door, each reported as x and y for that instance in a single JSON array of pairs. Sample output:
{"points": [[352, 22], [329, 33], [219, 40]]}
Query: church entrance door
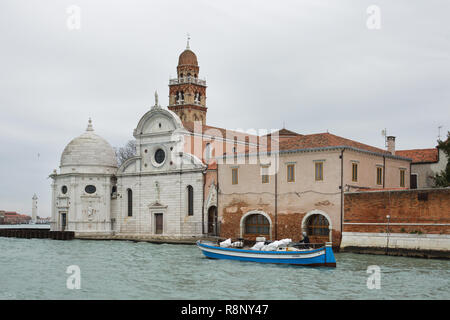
{"points": [[158, 223], [63, 221]]}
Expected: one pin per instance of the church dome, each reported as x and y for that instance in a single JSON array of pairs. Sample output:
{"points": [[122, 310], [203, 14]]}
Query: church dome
{"points": [[89, 150], [187, 57]]}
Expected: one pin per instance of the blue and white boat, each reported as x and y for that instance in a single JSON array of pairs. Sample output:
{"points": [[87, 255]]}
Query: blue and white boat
{"points": [[322, 256]]}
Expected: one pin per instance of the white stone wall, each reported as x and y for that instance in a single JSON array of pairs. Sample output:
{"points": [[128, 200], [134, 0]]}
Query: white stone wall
{"points": [[172, 202], [439, 242], [85, 213]]}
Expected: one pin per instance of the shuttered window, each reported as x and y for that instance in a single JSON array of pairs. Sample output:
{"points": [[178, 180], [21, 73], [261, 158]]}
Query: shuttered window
{"points": [[402, 177], [319, 171], [379, 175], [234, 176], [290, 173], [354, 172]]}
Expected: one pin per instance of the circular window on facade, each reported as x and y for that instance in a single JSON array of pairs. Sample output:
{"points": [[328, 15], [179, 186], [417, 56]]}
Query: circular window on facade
{"points": [[160, 155], [64, 189], [90, 189]]}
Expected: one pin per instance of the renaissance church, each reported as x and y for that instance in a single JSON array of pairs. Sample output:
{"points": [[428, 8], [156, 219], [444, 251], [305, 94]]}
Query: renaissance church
{"points": [[160, 192]]}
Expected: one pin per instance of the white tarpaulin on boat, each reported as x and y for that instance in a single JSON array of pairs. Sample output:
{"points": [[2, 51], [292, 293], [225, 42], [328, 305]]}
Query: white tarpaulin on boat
{"points": [[226, 243], [271, 246], [258, 246]]}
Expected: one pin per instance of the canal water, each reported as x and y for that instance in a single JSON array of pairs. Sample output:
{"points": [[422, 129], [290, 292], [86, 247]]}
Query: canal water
{"points": [[36, 269]]}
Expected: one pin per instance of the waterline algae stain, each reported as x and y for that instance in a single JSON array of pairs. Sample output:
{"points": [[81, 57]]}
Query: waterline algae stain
{"points": [[36, 269]]}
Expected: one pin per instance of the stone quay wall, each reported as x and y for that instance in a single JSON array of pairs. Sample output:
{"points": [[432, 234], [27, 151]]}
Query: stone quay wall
{"points": [[418, 223]]}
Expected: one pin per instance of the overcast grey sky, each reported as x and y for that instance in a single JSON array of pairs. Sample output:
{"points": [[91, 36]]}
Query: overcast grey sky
{"points": [[313, 65]]}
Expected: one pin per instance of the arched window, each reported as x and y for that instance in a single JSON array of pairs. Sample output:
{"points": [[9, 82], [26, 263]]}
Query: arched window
{"points": [[180, 97], [130, 202], [317, 225], [208, 152], [190, 198], [257, 224], [114, 192], [197, 97]]}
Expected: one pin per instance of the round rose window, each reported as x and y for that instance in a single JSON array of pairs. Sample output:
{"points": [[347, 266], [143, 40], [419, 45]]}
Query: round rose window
{"points": [[90, 189], [160, 155]]}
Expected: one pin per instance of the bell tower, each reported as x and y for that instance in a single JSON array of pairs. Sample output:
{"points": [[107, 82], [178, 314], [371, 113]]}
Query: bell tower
{"points": [[187, 93]]}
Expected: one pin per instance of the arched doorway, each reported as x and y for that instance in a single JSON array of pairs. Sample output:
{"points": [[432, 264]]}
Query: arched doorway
{"points": [[255, 225], [212, 221], [317, 227]]}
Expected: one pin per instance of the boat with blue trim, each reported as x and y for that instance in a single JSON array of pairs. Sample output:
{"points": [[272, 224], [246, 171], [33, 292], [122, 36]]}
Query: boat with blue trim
{"points": [[313, 257]]}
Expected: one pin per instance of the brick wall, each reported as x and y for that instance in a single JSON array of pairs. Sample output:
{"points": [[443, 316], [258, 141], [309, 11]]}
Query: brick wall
{"points": [[425, 211]]}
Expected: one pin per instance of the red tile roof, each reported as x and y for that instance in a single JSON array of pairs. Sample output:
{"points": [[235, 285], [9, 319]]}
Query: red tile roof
{"points": [[221, 132], [321, 140], [420, 155]]}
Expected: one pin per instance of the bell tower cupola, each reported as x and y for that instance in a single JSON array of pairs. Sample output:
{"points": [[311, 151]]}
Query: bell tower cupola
{"points": [[187, 93]]}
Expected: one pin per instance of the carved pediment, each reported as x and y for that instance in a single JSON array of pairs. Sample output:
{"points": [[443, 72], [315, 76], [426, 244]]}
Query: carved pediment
{"points": [[156, 205]]}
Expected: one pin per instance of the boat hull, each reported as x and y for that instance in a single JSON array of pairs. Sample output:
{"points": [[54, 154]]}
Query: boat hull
{"points": [[314, 257]]}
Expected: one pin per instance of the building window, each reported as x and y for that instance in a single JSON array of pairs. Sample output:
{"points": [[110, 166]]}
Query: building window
{"points": [[319, 171], [290, 173], [114, 192], [234, 176], [130, 202], [160, 155], [180, 97], [354, 172], [208, 152], [413, 181], [257, 224], [264, 174], [379, 175], [64, 189], [90, 189], [402, 177], [317, 225], [190, 196]]}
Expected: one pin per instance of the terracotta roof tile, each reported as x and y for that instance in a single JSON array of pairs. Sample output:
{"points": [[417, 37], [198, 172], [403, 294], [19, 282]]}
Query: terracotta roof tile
{"points": [[420, 155], [321, 140], [221, 132]]}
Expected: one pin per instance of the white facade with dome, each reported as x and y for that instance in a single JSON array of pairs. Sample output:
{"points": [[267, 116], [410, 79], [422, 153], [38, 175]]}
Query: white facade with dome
{"points": [[157, 193]]}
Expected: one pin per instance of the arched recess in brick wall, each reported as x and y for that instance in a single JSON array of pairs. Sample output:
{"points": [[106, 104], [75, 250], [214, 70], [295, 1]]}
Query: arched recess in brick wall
{"points": [[313, 217], [248, 215]]}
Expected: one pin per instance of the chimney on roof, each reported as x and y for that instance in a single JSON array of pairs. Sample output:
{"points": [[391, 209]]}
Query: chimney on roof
{"points": [[391, 144]]}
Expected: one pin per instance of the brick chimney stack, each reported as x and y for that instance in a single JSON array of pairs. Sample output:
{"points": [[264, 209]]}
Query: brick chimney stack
{"points": [[391, 144]]}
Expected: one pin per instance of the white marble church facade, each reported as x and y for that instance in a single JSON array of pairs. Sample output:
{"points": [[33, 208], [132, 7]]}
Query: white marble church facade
{"points": [[158, 193]]}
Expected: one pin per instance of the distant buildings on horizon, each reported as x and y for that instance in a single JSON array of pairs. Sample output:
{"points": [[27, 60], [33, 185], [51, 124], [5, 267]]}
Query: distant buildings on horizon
{"points": [[12, 217]]}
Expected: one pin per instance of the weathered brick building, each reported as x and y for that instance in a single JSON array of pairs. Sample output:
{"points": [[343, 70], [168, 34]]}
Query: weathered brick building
{"points": [[300, 187]]}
